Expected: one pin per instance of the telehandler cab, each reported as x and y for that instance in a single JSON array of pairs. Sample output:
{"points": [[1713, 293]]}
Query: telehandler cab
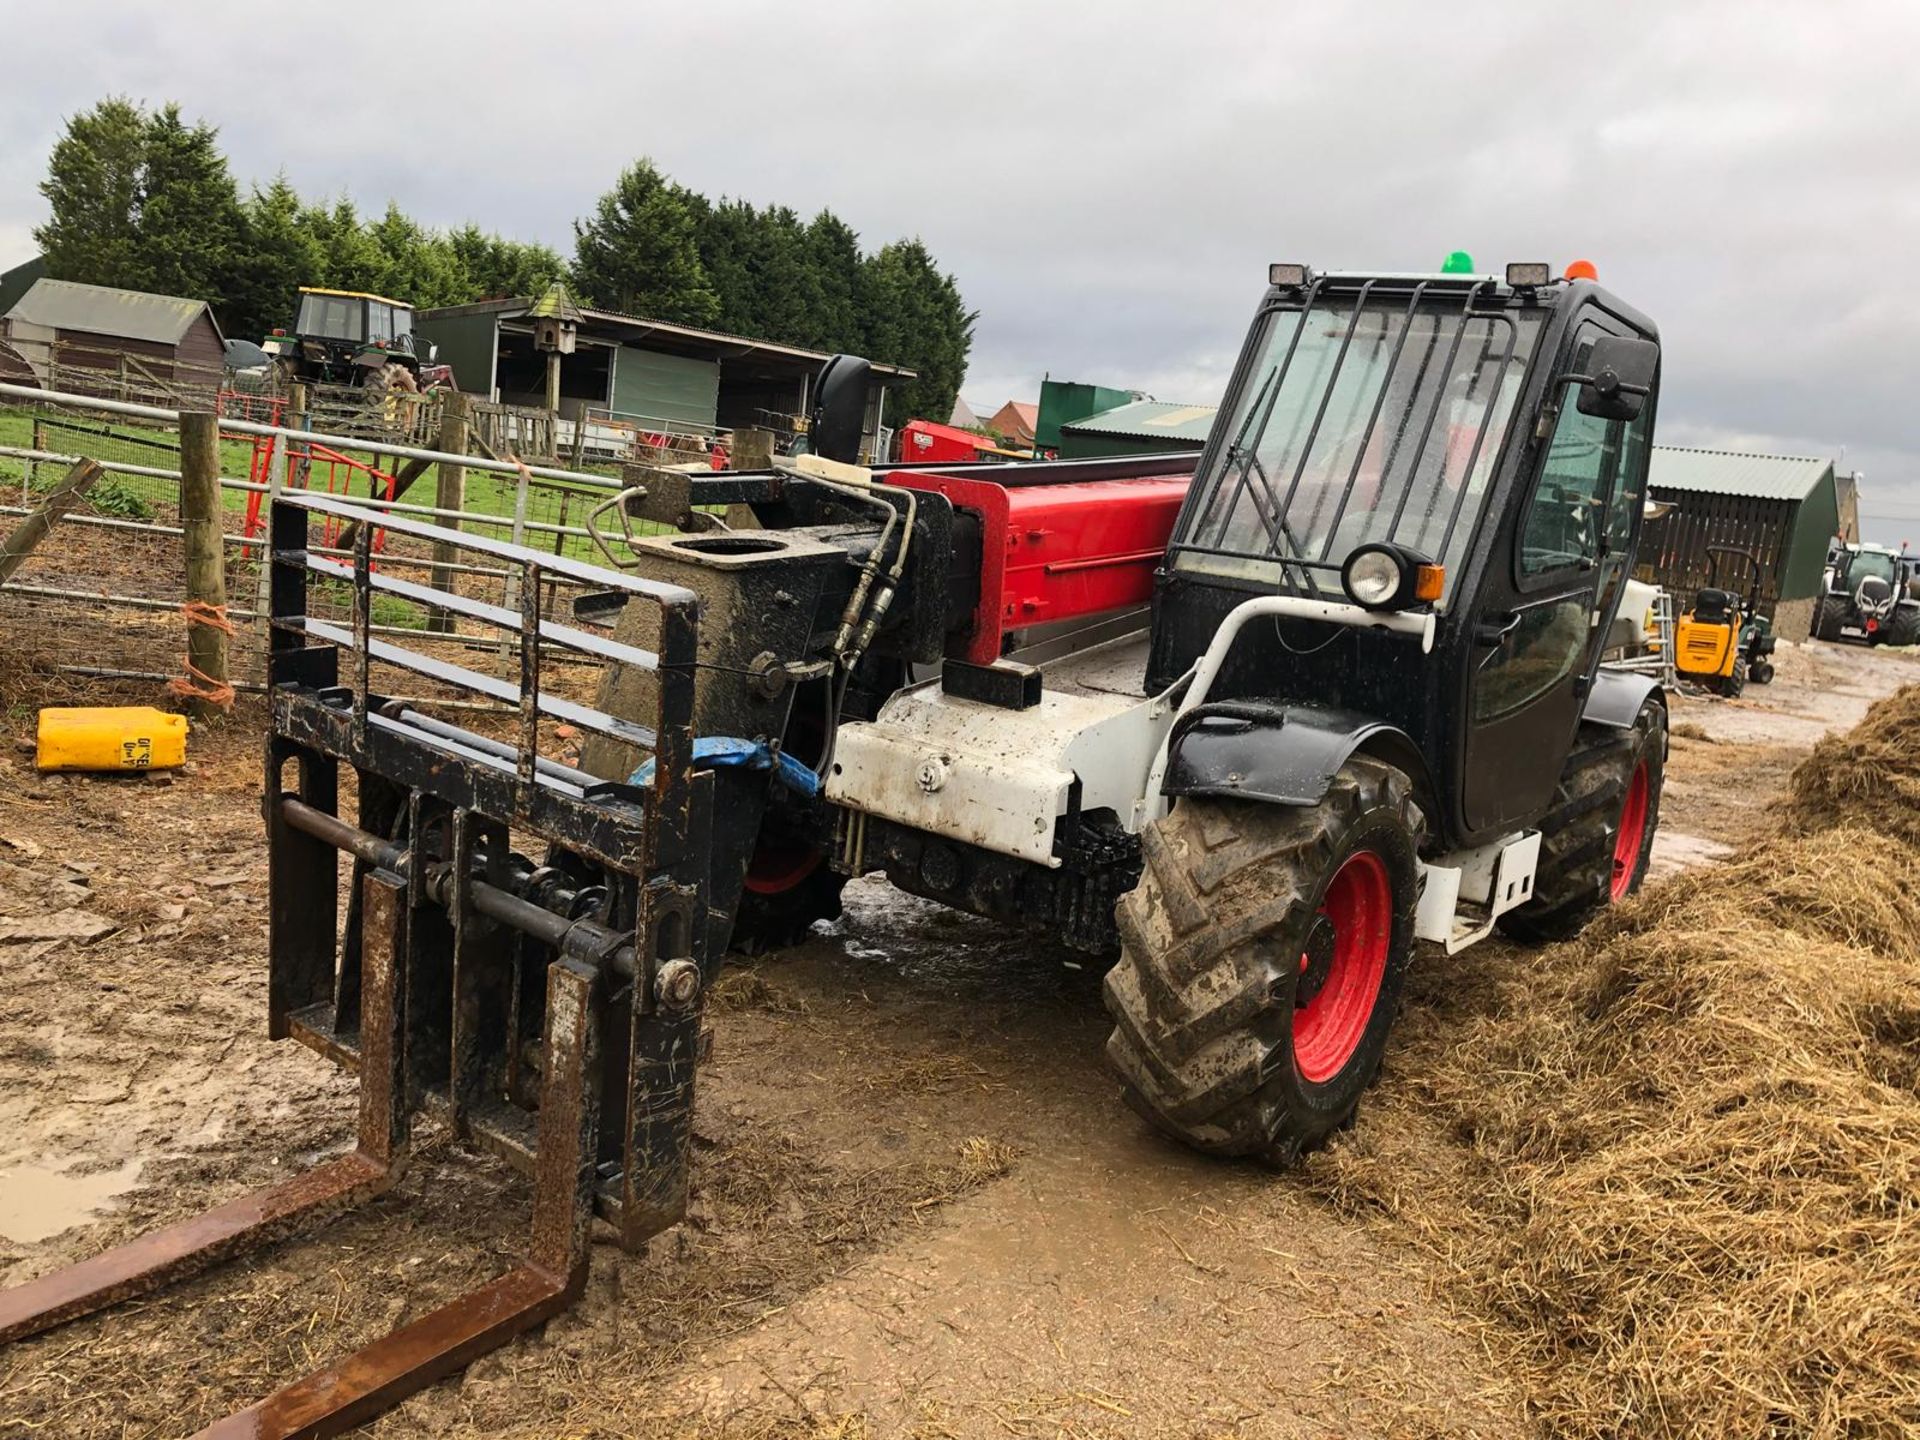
{"points": [[1254, 720]]}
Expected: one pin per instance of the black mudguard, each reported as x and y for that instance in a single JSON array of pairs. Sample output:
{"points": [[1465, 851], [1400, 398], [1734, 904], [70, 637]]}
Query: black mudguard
{"points": [[1286, 754], [1615, 698]]}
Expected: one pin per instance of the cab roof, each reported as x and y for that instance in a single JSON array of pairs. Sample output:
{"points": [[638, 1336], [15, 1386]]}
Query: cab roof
{"points": [[1487, 288], [356, 295]]}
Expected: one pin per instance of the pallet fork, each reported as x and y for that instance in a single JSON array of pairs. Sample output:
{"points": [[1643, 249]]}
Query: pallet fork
{"points": [[549, 1013]]}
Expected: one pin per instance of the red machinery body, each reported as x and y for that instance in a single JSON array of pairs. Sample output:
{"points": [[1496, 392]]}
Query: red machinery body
{"points": [[1058, 552], [925, 442]]}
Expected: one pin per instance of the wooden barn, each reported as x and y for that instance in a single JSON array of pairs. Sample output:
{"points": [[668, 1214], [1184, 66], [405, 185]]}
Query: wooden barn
{"points": [[1780, 508], [73, 335]]}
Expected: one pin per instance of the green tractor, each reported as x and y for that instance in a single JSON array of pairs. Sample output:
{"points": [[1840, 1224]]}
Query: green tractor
{"points": [[348, 337]]}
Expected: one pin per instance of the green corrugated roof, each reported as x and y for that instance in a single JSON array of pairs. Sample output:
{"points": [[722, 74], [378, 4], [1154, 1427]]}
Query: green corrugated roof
{"points": [[1150, 419], [1733, 472], [103, 310]]}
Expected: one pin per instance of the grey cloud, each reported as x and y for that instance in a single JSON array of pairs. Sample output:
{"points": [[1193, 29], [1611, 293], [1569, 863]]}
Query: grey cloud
{"points": [[1108, 181]]}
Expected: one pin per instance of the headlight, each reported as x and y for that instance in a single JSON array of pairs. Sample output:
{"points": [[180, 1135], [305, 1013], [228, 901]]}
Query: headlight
{"points": [[1391, 577], [1373, 577]]}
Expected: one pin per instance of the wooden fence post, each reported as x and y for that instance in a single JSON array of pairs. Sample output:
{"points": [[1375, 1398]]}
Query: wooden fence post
{"points": [[20, 541], [31, 472], [450, 494], [200, 519], [298, 411]]}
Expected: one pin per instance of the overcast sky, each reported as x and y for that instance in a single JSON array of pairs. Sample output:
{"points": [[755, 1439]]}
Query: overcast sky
{"points": [[1108, 181]]}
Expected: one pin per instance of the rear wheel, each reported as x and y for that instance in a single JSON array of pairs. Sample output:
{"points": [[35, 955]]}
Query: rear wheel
{"points": [[1760, 672], [1597, 840], [790, 886], [1262, 955], [1734, 681]]}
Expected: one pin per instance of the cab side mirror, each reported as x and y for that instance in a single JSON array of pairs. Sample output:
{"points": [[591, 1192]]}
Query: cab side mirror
{"points": [[1620, 371], [839, 419]]}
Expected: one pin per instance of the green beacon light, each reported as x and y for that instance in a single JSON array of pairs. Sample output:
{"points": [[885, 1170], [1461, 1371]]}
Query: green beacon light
{"points": [[1458, 263]]}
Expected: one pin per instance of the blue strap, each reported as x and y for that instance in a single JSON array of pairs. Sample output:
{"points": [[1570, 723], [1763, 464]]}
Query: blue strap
{"points": [[753, 754]]}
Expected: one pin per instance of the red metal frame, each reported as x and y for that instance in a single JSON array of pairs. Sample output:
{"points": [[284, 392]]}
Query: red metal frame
{"points": [[301, 462], [1059, 552]]}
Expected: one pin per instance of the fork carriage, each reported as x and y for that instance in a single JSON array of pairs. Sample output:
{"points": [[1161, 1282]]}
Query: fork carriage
{"points": [[546, 1010]]}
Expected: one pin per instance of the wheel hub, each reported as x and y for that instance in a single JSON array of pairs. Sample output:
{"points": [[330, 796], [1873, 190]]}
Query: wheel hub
{"points": [[1316, 960]]}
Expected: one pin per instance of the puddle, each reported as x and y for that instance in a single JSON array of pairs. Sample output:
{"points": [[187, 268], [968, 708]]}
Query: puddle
{"points": [[38, 1201], [1674, 851]]}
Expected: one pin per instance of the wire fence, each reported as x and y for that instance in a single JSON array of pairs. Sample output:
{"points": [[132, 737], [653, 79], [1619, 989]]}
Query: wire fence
{"points": [[101, 602]]}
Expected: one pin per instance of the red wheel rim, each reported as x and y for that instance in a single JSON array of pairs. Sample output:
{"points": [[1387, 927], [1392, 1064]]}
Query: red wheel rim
{"points": [[1633, 830], [1328, 1028], [776, 868], [779, 862]]}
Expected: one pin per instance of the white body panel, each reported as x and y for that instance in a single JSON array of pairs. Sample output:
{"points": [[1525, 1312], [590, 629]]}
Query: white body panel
{"points": [[1001, 779], [1464, 893], [998, 778]]}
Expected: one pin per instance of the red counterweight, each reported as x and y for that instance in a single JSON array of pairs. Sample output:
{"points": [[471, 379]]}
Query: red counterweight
{"points": [[1056, 552]]}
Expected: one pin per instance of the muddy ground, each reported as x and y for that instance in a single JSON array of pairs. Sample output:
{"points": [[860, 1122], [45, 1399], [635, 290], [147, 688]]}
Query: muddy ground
{"points": [[919, 1206]]}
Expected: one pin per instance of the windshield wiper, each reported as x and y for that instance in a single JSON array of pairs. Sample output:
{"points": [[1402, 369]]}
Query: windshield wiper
{"points": [[1272, 519]]}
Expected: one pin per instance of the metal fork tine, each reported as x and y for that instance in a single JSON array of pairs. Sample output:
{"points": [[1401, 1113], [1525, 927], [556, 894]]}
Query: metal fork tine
{"points": [[366, 1382], [177, 1251]]}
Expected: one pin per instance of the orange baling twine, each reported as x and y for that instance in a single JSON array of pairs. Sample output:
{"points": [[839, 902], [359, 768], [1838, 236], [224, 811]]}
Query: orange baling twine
{"points": [[196, 684]]}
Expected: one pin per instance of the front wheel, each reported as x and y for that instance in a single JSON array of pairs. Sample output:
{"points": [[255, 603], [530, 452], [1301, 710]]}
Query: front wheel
{"points": [[1262, 956], [1828, 619]]}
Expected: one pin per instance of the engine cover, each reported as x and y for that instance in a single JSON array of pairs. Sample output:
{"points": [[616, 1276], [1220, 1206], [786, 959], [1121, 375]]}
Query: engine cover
{"points": [[999, 779]]}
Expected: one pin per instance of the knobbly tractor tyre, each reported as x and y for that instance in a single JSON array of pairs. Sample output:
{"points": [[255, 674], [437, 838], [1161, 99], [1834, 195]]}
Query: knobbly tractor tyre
{"points": [[1903, 627], [1828, 619], [1596, 842], [1262, 956], [1730, 685]]}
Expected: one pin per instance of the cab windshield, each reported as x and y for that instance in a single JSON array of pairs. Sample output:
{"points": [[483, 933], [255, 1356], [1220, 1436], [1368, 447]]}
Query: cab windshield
{"points": [[332, 317], [1361, 420], [1871, 564]]}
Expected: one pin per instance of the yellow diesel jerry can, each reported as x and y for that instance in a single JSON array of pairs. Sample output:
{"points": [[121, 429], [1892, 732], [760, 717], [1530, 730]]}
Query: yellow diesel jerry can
{"points": [[125, 737]]}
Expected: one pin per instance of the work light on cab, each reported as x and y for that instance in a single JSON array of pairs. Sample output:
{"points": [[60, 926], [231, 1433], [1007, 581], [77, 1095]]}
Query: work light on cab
{"points": [[1391, 577], [1529, 274], [1286, 276]]}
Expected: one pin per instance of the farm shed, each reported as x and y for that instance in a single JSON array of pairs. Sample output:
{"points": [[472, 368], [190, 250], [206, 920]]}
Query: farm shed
{"points": [[646, 372], [1064, 401], [1781, 508], [1140, 427], [16, 282], [164, 338]]}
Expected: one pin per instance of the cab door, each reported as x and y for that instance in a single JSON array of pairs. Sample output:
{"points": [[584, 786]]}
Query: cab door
{"points": [[1540, 619]]}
